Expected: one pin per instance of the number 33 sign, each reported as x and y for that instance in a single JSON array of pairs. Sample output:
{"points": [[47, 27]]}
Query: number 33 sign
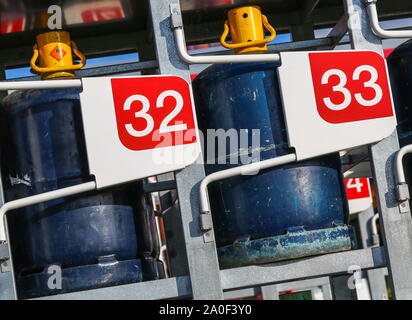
{"points": [[136, 127], [335, 100]]}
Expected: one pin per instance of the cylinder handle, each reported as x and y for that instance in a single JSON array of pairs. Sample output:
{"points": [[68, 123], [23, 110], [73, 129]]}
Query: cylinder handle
{"points": [[38, 70], [248, 43]]}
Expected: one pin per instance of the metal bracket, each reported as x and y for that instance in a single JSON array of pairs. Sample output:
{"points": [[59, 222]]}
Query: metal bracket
{"points": [[4, 251], [402, 190], [402, 194], [374, 230], [176, 16], [4, 257], [5, 266], [404, 207], [375, 240], [206, 225]]}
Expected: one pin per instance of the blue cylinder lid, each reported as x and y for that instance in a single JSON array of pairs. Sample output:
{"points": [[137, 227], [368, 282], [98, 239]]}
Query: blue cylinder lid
{"points": [[223, 71], [21, 99]]}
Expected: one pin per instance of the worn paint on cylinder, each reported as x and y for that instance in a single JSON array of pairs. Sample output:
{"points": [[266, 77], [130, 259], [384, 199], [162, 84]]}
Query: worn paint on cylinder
{"points": [[289, 246]]}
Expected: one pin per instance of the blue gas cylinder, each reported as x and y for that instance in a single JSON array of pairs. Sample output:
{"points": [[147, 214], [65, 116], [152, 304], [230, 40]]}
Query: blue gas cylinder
{"points": [[400, 72], [280, 213], [98, 238]]}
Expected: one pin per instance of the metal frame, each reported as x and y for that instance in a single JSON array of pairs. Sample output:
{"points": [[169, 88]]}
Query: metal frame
{"points": [[7, 291], [396, 227], [201, 277], [202, 260]]}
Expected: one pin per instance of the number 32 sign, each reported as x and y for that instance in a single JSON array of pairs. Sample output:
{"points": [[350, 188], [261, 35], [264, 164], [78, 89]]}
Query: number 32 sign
{"points": [[136, 127], [149, 111], [335, 100]]}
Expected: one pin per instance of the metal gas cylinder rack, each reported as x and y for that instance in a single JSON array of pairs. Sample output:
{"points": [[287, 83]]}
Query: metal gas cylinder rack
{"points": [[194, 265]]}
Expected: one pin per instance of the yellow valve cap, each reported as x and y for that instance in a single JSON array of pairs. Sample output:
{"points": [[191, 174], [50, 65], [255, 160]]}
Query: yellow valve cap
{"points": [[246, 25], [54, 52]]}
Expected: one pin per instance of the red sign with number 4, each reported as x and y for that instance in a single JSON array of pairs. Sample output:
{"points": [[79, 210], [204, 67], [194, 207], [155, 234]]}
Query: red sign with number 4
{"points": [[153, 112], [350, 86], [357, 188]]}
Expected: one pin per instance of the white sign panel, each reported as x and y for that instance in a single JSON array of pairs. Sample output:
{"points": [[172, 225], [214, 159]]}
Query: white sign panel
{"points": [[335, 100], [136, 127]]}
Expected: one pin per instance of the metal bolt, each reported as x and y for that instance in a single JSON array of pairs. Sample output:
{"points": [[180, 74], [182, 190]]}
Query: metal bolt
{"points": [[5, 266]]}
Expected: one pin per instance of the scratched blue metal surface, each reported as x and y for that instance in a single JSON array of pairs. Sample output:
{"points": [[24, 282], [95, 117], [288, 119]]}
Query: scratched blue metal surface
{"points": [[80, 278], [43, 149], [310, 194], [292, 245], [106, 273]]}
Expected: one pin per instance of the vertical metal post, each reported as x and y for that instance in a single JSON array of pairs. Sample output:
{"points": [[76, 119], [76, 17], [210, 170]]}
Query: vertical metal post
{"points": [[376, 277], [364, 218], [6, 286], [396, 227], [3, 94], [6, 281], [202, 257]]}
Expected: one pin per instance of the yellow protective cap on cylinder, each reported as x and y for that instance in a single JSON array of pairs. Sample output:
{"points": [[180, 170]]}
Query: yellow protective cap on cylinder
{"points": [[54, 52], [246, 25]]}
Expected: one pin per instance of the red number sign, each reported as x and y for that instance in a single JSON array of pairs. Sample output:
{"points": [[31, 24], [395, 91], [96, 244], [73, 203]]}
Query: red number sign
{"points": [[357, 188], [153, 112], [350, 86]]}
